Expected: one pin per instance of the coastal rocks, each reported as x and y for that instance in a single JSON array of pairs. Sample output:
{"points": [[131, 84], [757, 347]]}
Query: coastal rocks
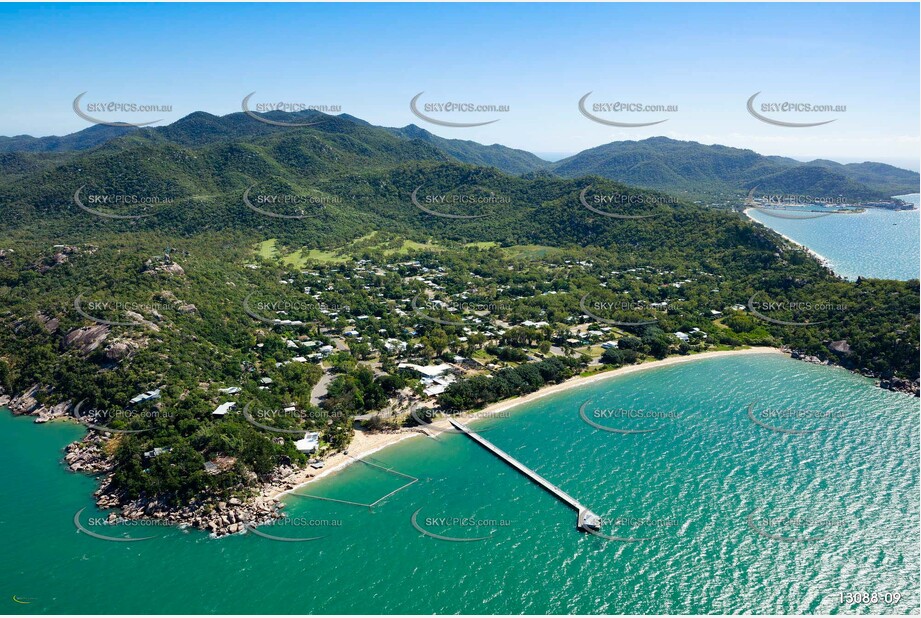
{"points": [[796, 355], [843, 350], [86, 338], [217, 517], [61, 410], [87, 456], [901, 385], [25, 403]]}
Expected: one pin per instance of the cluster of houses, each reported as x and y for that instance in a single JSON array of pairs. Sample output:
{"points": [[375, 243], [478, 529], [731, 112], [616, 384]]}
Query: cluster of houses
{"points": [[434, 378]]}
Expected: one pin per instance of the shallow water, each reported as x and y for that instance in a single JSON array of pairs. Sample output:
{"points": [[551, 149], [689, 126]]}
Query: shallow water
{"points": [[710, 488], [882, 244]]}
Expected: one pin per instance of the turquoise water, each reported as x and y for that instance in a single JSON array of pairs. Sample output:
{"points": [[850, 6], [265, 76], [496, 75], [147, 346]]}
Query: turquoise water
{"points": [[883, 244], [846, 496]]}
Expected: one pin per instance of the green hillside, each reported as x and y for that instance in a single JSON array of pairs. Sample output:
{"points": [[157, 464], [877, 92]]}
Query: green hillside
{"points": [[695, 169]]}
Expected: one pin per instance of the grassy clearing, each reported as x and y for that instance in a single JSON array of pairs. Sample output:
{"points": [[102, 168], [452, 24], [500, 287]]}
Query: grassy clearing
{"points": [[301, 258], [412, 245], [529, 252], [267, 249]]}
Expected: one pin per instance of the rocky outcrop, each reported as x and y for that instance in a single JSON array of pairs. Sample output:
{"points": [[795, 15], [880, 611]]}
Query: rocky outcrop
{"points": [[87, 456], [155, 266], [219, 517], [179, 305], [48, 323], [901, 385], [842, 349], [120, 350], [60, 256], [86, 338], [25, 403], [140, 320], [809, 358]]}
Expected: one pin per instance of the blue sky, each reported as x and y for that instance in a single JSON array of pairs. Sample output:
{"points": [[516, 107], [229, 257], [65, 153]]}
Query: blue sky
{"points": [[539, 59]]}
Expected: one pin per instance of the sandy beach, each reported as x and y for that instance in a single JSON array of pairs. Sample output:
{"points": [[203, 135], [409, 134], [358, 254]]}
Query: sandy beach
{"points": [[365, 443], [821, 258]]}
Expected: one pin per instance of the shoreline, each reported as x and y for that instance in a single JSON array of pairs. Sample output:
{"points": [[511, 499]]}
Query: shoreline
{"points": [[580, 381], [386, 440], [363, 444], [821, 258]]}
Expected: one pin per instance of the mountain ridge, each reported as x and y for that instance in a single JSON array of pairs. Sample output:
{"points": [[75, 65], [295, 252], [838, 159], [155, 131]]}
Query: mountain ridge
{"points": [[680, 167]]}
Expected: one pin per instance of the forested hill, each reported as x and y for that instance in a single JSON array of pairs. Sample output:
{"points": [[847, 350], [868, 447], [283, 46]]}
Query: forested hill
{"points": [[201, 128], [509, 160], [691, 168], [678, 167]]}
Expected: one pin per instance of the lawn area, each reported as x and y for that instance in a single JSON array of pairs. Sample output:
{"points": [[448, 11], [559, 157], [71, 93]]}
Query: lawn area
{"points": [[529, 252], [267, 249], [301, 258], [412, 245]]}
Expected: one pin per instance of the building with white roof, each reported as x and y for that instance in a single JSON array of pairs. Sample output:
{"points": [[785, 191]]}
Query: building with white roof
{"points": [[224, 408], [309, 443]]}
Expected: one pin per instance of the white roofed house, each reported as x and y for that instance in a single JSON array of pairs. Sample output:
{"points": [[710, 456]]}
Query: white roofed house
{"points": [[154, 394], [438, 385], [224, 408], [434, 378], [309, 443], [395, 345], [429, 371]]}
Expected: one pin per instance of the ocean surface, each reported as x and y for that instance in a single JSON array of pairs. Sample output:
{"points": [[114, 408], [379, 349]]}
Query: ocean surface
{"points": [[725, 514], [882, 244]]}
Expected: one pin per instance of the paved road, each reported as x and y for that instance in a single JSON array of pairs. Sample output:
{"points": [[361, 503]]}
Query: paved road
{"points": [[322, 387]]}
